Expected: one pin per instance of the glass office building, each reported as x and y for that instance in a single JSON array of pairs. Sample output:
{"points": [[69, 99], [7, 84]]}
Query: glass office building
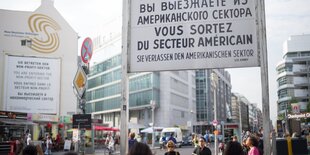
{"points": [[205, 98], [173, 92]]}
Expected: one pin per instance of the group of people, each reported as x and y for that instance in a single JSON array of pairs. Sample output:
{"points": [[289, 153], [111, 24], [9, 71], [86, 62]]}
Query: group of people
{"points": [[25, 146], [37, 150]]}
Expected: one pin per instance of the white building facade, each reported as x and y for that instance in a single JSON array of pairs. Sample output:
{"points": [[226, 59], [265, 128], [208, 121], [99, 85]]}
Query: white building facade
{"points": [[294, 74]]}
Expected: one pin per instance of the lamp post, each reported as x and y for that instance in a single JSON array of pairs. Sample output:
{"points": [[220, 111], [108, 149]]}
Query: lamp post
{"points": [[153, 106], [192, 121], [214, 82], [240, 119]]}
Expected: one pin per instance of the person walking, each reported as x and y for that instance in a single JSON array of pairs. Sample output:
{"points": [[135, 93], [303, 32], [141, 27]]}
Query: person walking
{"points": [[131, 140], [172, 138], [140, 149], [202, 149], [195, 140], [30, 150], [233, 148], [49, 144], [171, 149], [162, 142], [252, 143]]}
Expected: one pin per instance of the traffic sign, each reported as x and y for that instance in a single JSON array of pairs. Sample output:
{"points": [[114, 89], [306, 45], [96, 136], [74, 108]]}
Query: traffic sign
{"points": [[87, 50], [82, 121], [79, 82]]}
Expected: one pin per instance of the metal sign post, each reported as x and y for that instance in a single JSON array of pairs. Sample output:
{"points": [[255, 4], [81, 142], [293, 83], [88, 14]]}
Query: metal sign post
{"points": [[264, 76], [124, 101]]}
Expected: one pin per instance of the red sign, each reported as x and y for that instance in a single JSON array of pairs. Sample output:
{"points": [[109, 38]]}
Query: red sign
{"points": [[87, 50]]}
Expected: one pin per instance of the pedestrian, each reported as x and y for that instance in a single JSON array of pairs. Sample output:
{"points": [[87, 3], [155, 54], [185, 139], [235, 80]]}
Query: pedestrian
{"points": [[234, 138], [140, 149], [260, 145], [19, 145], [29, 139], [162, 141], [171, 148], [252, 143], [131, 140], [233, 148], [245, 148], [39, 150], [110, 143], [195, 140], [30, 150], [172, 138], [202, 149], [49, 144], [206, 136]]}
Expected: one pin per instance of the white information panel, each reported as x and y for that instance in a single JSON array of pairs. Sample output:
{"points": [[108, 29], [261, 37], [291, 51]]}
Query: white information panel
{"points": [[192, 34], [32, 84]]}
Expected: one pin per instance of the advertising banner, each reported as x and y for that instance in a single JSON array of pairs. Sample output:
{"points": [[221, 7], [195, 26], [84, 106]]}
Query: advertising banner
{"points": [[32, 84]]}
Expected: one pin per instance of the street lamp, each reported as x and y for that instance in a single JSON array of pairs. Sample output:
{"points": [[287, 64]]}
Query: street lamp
{"points": [[214, 78], [153, 106]]}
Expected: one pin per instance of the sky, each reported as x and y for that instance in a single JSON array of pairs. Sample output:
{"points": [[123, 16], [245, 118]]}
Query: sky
{"points": [[283, 19]]}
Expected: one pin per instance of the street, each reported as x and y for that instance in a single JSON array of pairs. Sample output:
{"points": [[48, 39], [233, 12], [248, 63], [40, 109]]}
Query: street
{"points": [[185, 150]]}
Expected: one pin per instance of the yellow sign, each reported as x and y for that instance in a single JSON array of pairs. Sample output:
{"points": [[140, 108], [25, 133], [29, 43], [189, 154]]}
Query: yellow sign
{"points": [[79, 81]]}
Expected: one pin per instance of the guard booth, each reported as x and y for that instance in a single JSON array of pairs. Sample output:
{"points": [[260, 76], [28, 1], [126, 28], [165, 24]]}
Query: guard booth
{"points": [[13, 126]]}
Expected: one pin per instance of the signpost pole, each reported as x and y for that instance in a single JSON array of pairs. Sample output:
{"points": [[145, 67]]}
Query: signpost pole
{"points": [[215, 80], [124, 101], [264, 77]]}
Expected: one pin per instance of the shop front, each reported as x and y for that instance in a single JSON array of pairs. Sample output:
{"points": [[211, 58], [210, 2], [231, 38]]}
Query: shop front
{"points": [[44, 125], [13, 126], [65, 126]]}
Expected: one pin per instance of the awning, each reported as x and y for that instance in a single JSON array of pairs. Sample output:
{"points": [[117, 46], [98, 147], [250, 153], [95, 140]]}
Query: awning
{"points": [[16, 121], [102, 128], [150, 129]]}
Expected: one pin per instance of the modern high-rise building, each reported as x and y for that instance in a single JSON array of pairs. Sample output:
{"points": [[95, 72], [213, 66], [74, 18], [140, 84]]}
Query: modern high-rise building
{"points": [[294, 75], [239, 101], [173, 91], [206, 88]]}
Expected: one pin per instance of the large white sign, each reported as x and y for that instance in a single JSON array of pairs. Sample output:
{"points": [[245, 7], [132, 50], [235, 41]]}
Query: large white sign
{"points": [[192, 34], [32, 84]]}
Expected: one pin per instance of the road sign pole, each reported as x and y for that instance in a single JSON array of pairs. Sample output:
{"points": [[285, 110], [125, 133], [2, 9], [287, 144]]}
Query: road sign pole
{"points": [[124, 101], [215, 80], [264, 76]]}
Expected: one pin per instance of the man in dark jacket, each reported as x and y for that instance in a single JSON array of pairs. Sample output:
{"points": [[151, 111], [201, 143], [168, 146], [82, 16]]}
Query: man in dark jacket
{"points": [[202, 149]]}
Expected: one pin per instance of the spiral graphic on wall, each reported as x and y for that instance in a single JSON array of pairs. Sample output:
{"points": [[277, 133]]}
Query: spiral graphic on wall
{"points": [[48, 40]]}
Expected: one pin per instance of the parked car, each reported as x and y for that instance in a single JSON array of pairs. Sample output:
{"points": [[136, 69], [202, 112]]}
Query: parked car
{"points": [[187, 141]]}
